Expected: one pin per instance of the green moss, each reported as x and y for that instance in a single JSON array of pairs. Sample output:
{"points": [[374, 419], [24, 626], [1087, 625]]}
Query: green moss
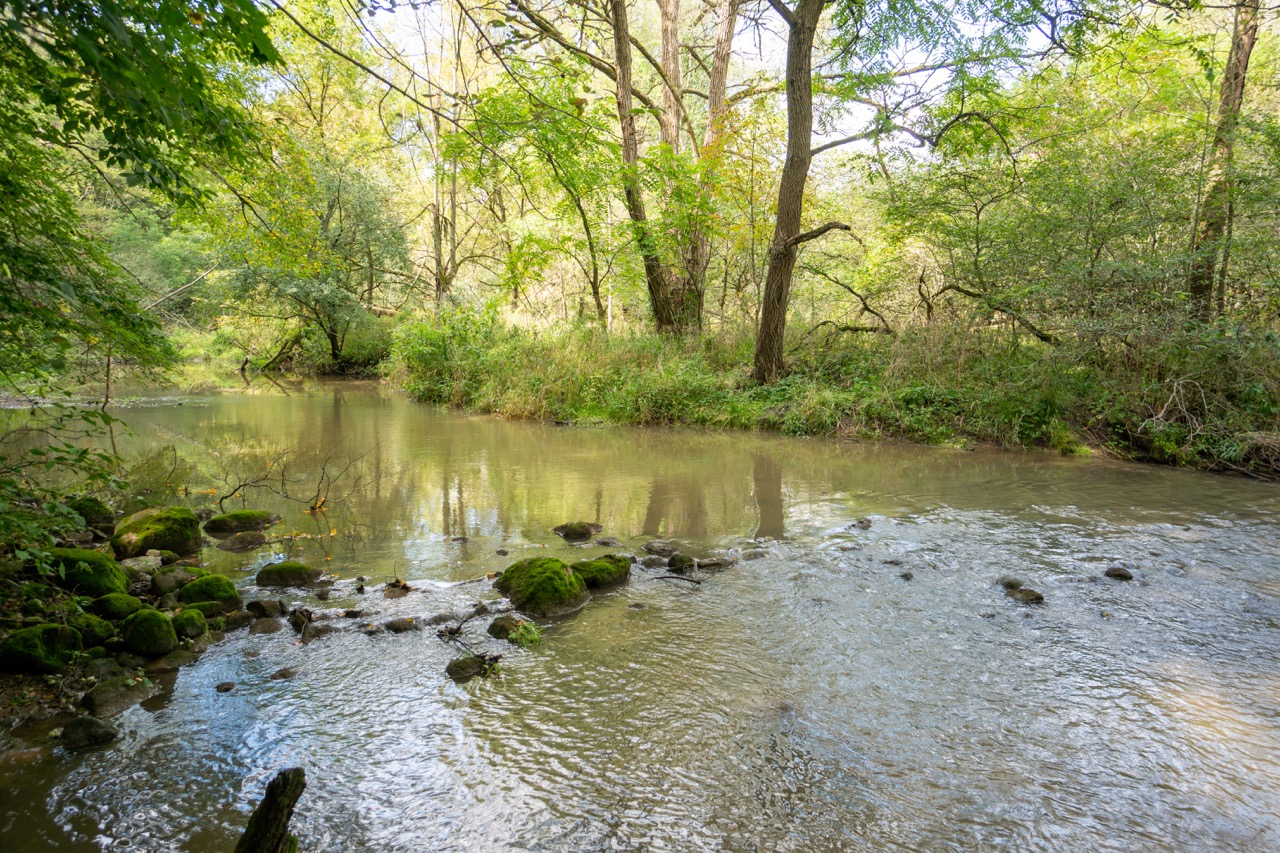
{"points": [[93, 631], [543, 587], [190, 623], [168, 558], [287, 574], [576, 531], [208, 608], [149, 633], [603, 571], [42, 649], [211, 588], [174, 528], [217, 624], [92, 510], [116, 606], [241, 519], [92, 573]]}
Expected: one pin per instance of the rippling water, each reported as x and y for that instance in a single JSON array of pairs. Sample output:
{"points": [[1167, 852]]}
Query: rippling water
{"points": [[810, 700]]}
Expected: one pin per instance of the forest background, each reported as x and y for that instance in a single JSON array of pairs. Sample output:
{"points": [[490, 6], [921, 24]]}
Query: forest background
{"points": [[1033, 223]]}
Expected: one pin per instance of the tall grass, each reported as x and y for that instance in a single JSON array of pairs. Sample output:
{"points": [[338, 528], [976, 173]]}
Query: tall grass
{"points": [[1203, 397]]}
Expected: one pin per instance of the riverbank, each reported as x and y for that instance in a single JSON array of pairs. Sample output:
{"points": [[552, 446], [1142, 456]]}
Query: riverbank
{"points": [[1206, 398]]}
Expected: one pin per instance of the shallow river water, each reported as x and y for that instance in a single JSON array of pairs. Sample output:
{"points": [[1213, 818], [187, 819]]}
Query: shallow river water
{"points": [[851, 690]]}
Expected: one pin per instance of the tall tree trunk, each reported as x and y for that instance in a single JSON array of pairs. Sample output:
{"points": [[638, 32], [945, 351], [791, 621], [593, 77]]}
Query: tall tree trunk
{"points": [[673, 90], [699, 253], [802, 23], [654, 274], [1209, 248]]}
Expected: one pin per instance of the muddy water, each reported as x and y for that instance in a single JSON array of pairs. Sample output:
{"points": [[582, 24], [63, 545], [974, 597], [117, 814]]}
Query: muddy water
{"points": [[814, 699]]}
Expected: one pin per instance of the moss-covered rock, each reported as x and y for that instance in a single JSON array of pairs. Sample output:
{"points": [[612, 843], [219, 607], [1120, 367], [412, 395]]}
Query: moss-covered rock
{"points": [[93, 631], [92, 573], [42, 649], [603, 571], [167, 558], [543, 587], [190, 623], [241, 519], [288, 574], [171, 579], [149, 633], [118, 694], [117, 606], [211, 588], [576, 531], [92, 510], [174, 528], [209, 608], [502, 627]]}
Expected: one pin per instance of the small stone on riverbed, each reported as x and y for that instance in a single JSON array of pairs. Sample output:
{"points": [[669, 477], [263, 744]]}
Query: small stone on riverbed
{"points": [[1010, 582], [906, 576], [283, 674], [662, 547], [87, 732], [1025, 595], [403, 624], [226, 687], [265, 626], [1119, 573], [653, 561]]}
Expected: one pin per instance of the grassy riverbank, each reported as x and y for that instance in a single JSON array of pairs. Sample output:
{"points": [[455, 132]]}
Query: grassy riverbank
{"points": [[1206, 398]]}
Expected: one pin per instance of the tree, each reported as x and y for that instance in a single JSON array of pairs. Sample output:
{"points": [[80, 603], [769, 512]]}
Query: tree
{"points": [[1206, 282]]}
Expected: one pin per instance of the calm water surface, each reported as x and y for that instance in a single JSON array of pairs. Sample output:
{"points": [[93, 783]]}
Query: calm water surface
{"points": [[810, 700]]}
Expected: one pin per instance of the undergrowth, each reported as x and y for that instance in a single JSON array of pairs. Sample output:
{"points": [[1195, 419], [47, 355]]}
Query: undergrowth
{"points": [[1205, 397]]}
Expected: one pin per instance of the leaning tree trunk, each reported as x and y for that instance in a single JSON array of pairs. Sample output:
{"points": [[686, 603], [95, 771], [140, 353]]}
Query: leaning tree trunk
{"points": [[802, 23], [1208, 247]]}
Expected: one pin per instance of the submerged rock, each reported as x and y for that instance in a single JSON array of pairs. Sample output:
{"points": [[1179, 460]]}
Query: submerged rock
{"points": [[1010, 582], [717, 563], [1025, 595], [172, 528], [172, 662], [609, 542], [754, 554], [284, 674], [117, 694], [577, 531], [543, 587], [465, 668], [225, 687], [603, 571], [241, 542], [653, 561], [265, 625], [1119, 573], [87, 732], [403, 624]]}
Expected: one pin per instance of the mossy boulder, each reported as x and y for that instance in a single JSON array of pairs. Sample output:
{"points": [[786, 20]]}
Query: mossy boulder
{"points": [[603, 571], [92, 510], [149, 633], [208, 608], [116, 606], [504, 626], [174, 528], [92, 573], [288, 574], [211, 588], [576, 531], [42, 649], [93, 631], [543, 587], [241, 519], [190, 623]]}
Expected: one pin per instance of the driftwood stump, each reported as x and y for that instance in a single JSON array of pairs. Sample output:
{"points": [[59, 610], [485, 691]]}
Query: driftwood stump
{"points": [[268, 829]]}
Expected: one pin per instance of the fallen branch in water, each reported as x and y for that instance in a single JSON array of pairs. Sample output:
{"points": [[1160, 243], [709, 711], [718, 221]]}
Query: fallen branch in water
{"points": [[678, 578]]}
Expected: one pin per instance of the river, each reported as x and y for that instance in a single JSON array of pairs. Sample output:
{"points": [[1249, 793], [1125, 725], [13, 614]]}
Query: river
{"points": [[854, 689]]}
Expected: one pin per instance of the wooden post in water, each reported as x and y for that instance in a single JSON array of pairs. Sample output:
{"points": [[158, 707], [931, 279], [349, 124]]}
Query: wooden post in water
{"points": [[268, 829]]}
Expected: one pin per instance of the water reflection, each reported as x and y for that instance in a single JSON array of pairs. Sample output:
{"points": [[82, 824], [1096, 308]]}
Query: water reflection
{"points": [[811, 700]]}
